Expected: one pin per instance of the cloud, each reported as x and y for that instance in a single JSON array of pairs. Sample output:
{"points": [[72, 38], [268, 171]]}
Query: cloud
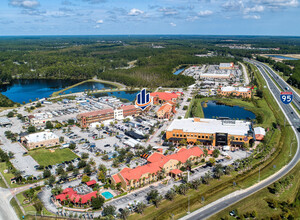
{"points": [[64, 9], [205, 13], [94, 1], [27, 4], [256, 8], [6, 21], [278, 3], [173, 24], [135, 12], [67, 2], [99, 22], [97, 26], [256, 17], [233, 5], [168, 11]]}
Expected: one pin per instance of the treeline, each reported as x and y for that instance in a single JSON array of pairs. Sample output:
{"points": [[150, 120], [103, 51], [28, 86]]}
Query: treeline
{"points": [[5, 102]]}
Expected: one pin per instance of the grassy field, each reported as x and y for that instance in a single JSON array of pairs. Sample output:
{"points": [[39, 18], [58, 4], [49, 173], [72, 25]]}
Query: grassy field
{"points": [[258, 202], [2, 183], [7, 176], [46, 157], [16, 207]]}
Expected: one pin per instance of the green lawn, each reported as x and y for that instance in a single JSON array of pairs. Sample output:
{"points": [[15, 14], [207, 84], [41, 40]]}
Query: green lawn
{"points": [[16, 207], [7, 176], [2, 183], [45, 157]]}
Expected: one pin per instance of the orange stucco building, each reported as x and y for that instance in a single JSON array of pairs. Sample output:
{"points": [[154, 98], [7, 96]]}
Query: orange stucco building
{"points": [[210, 131], [235, 91], [146, 174]]}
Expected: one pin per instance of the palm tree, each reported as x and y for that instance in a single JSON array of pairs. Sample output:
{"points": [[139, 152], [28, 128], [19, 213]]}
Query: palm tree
{"points": [[188, 164], [212, 138], [140, 207], [183, 188], [196, 183], [124, 213]]}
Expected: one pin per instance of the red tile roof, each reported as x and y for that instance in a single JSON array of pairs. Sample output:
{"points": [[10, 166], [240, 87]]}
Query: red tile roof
{"points": [[155, 157], [157, 161], [166, 108], [116, 178], [90, 183], [128, 107], [164, 95], [176, 171], [95, 113], [69, 193]]}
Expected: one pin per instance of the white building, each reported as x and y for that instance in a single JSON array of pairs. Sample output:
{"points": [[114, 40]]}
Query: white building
{"points": [[40, 139]]}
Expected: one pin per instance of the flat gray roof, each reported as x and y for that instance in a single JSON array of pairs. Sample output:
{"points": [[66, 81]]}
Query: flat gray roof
{"points": [[4, 120], [211, 126]]}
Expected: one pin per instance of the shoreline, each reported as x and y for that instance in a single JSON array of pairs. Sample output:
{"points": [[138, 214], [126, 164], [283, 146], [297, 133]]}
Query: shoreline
{"points": [[117, 85]]}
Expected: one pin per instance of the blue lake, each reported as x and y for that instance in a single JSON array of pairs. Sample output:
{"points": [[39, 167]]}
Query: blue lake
{"points": [[130, 95], [88, 86], [24, 90], [178, 71], [215, 110], [283, 57]]}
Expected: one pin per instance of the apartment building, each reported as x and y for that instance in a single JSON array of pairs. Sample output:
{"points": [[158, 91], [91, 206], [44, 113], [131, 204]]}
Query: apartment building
{"points": [[158, 164]]}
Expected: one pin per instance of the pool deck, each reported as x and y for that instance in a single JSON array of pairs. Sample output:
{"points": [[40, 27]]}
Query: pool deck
{"points": [[107, 190]]}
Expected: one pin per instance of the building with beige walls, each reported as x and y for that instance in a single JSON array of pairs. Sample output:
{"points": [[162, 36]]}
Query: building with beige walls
{"points": [[158, 165], [41, 139]]}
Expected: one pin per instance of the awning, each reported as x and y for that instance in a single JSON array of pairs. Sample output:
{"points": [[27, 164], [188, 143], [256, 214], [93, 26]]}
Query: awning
{"points": [[204, 141], [237, 142], [175, 139]]}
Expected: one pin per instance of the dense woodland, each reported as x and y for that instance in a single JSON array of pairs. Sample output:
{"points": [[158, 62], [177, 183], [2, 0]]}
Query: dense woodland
{"points": [[107, 56]]}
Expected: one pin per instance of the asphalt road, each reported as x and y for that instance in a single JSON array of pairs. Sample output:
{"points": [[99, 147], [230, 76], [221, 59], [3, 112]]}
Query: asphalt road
{"points": [[6, 210], [293, 119]]}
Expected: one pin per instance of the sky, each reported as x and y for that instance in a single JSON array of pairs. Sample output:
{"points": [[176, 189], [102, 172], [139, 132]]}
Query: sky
{"points": [[129, 17]]}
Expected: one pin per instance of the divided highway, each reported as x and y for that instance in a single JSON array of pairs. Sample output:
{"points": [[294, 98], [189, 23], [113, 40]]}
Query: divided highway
{"points": [[293, 119], [284, 86]]}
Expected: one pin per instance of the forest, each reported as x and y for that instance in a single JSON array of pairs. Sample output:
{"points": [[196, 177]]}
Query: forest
{"points": [[108, 57]]}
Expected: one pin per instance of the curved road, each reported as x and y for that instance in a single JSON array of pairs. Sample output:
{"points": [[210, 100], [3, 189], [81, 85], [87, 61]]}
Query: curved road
{"points": [[294, 120]]}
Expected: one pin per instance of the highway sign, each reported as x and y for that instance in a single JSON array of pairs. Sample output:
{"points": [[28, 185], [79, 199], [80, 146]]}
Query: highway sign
{"points": [[286, 97]]}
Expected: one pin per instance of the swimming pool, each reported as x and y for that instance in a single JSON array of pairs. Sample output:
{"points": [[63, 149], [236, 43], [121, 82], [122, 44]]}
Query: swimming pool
{"points": [[107, 195]]}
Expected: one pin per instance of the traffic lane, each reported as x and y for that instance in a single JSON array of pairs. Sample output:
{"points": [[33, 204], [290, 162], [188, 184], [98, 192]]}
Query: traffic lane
{"points": [[280, 82]]}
